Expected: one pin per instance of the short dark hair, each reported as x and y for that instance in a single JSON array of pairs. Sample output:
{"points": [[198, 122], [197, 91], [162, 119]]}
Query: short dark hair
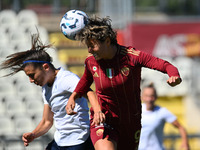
{"points": [[98, 29]]}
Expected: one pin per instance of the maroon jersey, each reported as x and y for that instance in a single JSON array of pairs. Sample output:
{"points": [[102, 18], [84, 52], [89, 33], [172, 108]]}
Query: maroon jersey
{"points": [[117, 83], [117, 80]]}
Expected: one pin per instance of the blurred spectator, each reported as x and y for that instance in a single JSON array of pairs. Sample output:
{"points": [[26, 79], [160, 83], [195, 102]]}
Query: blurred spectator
{"points": [[153, 121]]}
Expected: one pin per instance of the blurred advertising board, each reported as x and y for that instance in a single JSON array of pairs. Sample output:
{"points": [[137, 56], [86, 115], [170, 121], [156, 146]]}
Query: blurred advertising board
{"points": [[163, 39]]}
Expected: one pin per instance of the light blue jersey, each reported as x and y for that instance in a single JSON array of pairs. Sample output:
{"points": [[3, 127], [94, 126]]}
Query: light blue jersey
{"points": [[153, 122], [70, 129]]}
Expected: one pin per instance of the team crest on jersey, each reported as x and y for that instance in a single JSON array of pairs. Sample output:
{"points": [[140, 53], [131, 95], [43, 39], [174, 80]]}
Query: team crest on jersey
{"points": [[125, 71], [99, 132]]}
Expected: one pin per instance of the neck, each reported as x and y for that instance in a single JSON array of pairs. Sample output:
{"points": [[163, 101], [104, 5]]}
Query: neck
{"points": [[54, 73], [112, 52], [150, 108]]}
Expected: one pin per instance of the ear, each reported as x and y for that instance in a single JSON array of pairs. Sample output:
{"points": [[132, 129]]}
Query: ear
{"points": [[45, 66]]}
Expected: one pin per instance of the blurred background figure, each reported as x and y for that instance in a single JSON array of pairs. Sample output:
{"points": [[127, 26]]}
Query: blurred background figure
{"points": [[154, 118]]}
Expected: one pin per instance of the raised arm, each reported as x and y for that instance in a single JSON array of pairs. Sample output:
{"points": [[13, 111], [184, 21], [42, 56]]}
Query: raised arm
{"points": [[149, 61]]}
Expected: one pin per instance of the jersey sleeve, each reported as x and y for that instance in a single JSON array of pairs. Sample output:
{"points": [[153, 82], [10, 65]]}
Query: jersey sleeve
{"points": [[152, 62], [43, 97], [168, 116], [85, 81]]}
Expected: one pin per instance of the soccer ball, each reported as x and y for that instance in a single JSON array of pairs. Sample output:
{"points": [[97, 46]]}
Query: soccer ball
{"points": [[72, 22]]}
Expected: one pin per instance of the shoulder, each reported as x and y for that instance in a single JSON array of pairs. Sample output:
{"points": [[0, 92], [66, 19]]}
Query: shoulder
{"points": [[164, 111], [66, 81], [89, 57], [66, 73], [90, 61], [66, 77], [168, 116], [160, 109], [131, 51]]}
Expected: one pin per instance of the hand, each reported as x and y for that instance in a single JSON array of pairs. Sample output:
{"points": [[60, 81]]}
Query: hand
{"points": [[70, 107], [174, 80], [99, 117], [27, 138], [185, 146]]}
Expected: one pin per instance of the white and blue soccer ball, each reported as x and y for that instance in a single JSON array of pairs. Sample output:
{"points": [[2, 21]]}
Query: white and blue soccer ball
{"points": [[72, 22]]}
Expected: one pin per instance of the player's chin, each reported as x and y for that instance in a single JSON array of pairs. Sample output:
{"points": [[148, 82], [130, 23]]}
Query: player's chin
{"points": [[97, 58], [38, 84]]}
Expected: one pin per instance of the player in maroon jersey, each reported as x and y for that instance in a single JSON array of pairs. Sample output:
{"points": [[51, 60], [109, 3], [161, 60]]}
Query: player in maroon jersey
{"points": [[116, 72]]}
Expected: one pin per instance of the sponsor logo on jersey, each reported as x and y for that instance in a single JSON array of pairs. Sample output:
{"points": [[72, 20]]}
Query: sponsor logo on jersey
{"points": [[95, 74], [125, 71]]}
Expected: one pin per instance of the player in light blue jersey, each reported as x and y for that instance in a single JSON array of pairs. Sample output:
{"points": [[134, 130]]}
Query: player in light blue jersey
{"points": [[72, 131], [154, 118]]}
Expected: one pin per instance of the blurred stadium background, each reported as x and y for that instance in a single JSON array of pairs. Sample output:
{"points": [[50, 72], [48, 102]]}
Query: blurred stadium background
{"points": [[169, 29]]}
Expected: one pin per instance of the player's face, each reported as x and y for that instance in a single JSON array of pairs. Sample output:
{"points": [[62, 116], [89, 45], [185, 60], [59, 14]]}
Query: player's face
{"points": [[36, 75], [98, 49], [148, 96]]}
